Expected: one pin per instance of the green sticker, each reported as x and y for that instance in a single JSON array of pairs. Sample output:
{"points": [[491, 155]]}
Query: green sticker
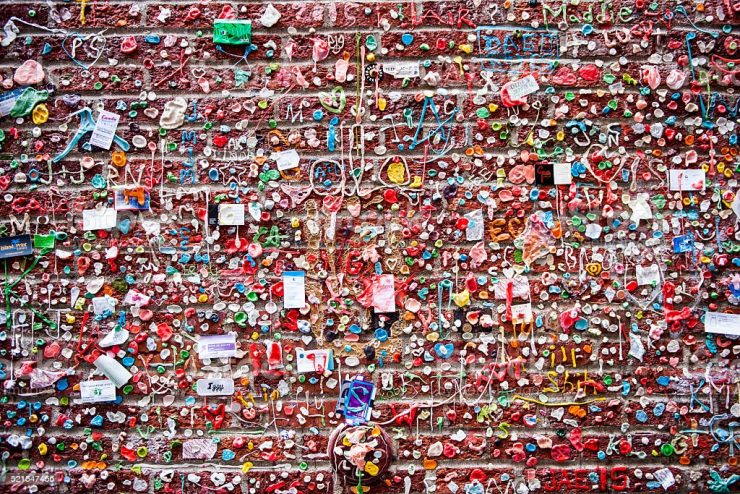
{"points": [[232, 31], [43, 241]]}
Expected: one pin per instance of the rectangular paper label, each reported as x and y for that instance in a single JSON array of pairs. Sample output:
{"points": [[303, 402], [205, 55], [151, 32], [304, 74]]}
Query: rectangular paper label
{"points": [[217, 346], [19, 245], [665, 477], [103, 304], [215, 387], [402, 70], [721, 323], [231, 214], [287, 159], [683, 244], [105, 129], [523, 87], [384, 296], [97, 391], [99, 219], [294, 289], [132, 199], [136, 298], [314, 360], [521, 313], [474, 230], [647, 275], [561, 174], [687, 180], [356, 401]]}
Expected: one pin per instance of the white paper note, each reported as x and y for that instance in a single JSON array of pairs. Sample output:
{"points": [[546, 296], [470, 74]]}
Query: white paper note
{"points": [[384, 294], [99, 219], [523, 87], [105, 129], [665, 477], [97, 391], [561, 174], [687, 180], [294, 289], [214, 387], [231, 214], [474, 231], [287, 159], [217, 346], [521, 313], [402, 70], [319, 360], [648, 275], [103, 304], [722, 323]]}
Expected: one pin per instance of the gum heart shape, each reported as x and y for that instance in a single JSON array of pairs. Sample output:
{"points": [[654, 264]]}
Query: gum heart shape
{"points": [[564, 77], [88, 480], [651, 76], [353, 208], [560, 452], [151, 112], [444, 350], [94, 46], [124, 226], [575, 439], [506, 195], [220, 141], [335, 101], [589, 73], [428, 357], [52, 350]]}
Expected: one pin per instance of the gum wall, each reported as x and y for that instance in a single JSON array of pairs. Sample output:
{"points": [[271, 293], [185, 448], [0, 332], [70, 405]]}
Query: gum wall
{"points": [[297, 247]]}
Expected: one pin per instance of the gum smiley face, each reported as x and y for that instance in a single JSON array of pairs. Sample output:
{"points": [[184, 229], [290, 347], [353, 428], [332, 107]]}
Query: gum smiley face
{"points": [[369, 247]]}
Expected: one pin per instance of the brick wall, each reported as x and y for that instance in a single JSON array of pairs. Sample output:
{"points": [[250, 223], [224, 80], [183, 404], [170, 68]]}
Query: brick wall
{"points": [[517, 220]]}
